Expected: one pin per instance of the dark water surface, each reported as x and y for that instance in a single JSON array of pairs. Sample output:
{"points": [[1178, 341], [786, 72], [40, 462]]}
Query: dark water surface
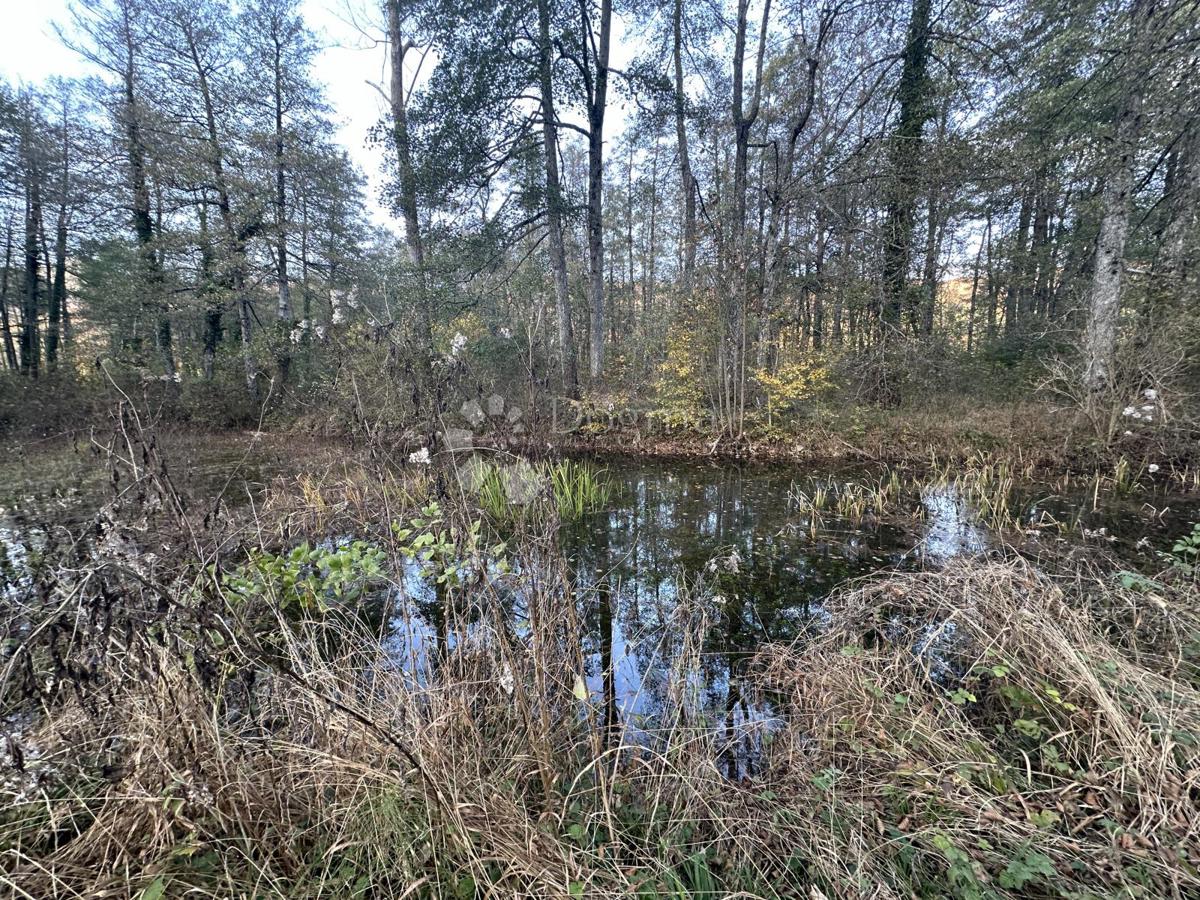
{"points": [[689, 569], [692, 567]]}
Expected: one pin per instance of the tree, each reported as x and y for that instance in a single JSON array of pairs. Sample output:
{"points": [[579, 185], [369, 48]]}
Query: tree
{"points": [[554, 204], [733, 296], [590, 54], [33, 167], [399, 46], [114, 34], [912, 96], [1104, 297], [280, 50]]}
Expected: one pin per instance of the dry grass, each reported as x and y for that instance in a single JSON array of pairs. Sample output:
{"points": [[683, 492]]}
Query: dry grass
{"points": [[985, 723], [985, 730]]}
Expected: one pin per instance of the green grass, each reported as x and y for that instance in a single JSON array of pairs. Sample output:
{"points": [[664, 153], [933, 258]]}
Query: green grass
{"points": [[515, 491], [579, 488]]}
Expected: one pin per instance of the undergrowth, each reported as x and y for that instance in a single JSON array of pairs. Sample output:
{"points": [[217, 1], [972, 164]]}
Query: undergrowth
{"points": [[215, 722]]}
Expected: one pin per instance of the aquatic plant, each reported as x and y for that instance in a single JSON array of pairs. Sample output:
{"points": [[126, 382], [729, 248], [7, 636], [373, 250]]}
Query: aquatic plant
{"points": [[948, 733], [307, 578], [855, 499], [507, 492], [579, 487], [489, 489], [1185, 552], [943, 733], [449, 552], [805, 502]]}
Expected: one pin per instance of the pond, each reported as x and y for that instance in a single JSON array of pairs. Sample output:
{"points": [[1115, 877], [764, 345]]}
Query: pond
{"points": [[699, 565], [689, 566]]}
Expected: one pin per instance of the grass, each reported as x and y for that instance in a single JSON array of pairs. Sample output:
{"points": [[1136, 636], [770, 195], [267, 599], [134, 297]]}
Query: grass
{"points": [[1032, 745], [579, 488], [983, 730], [515, 490]]}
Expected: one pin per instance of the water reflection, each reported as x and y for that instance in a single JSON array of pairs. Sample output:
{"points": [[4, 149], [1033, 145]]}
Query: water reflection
{"points": [[950, 530], [691, 570]]}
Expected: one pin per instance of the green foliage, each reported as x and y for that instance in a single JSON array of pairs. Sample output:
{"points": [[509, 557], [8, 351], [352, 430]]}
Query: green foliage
{"points": [[579, 488], [1136, 581], [493, 498], [450, 554], [575, 487], [961, 874], [307, 578], [1185, 552], [1028, 869]]}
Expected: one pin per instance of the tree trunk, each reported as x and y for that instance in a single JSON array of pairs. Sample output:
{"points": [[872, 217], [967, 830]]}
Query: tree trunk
{"points": [[397, 49], [210, 298], [284, 307], [1104, 296], [781, 196], [597, 92], [305, 289], [558, 254], [986, 237], [10, 350], [30, 348], [818, 311], [935, 233], [1183, 200], [650, 263], [632, 299], [686, 180], [58, 285], [1014, 303], [733, 298], [1040, 272], [143, 224], [236, 235], [905, 156], [58, 290]]}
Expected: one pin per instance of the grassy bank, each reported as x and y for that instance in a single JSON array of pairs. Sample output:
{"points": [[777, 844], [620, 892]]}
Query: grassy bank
{"points": [[1028, 436], [1036, 433], [228, 719]]}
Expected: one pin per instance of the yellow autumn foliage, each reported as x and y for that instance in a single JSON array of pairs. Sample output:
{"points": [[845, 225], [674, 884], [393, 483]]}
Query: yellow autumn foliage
{"points": [[679, 386], [791, 383]]}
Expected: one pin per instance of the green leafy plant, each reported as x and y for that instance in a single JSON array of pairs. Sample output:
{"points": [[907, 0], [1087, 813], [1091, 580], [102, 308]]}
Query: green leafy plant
{"points": [[448, 553], [309, 578], [1185, 552], [1028, 868]]}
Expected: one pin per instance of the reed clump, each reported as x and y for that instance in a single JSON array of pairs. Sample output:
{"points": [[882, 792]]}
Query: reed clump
{"points": [[511, 489], [997, 732]]}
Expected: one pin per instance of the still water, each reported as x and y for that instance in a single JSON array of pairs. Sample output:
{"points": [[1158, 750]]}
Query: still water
{"points": [[692, 567], [685, 573]]}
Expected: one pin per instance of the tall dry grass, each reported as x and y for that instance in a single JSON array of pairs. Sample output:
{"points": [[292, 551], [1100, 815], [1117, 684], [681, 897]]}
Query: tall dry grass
{"points": [[984, 730]]}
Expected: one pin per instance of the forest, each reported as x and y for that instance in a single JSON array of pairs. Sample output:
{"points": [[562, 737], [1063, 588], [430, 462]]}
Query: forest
{"points": [[691, 448], [857, 202]]}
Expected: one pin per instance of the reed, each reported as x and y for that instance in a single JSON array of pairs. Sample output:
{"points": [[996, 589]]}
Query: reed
{"points": [[579, 488]]}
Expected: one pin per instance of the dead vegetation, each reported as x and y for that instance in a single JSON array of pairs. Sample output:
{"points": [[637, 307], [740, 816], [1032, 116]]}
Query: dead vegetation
{"points": [[192, 726]]}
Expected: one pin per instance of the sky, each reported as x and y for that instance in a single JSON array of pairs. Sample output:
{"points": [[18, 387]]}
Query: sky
{"points": [[350, 62], [30, 52]]}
